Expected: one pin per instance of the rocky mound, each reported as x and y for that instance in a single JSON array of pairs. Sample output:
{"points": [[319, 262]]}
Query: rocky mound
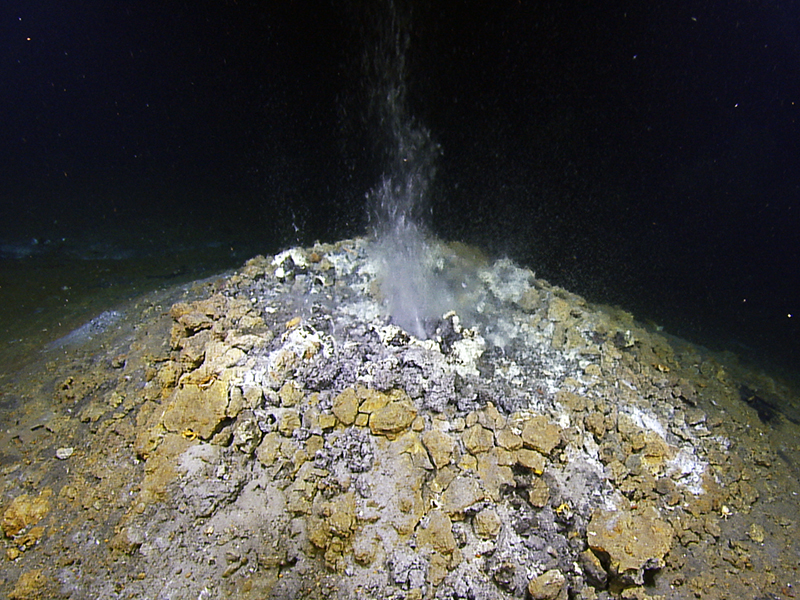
{"points": [[272, 435]]}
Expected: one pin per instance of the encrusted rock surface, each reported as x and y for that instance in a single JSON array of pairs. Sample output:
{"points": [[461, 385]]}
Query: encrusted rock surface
{"points": [[628, 542], [271, 434]]}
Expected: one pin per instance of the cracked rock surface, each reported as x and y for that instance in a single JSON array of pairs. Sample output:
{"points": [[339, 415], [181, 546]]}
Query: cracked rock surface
{"points": [[271, 434]]}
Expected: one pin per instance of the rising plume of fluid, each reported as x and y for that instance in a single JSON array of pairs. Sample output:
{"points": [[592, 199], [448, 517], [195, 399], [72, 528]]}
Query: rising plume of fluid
{"points": [[399, 203]]}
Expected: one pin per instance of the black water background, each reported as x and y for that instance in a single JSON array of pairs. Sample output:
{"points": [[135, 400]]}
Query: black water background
{"points": [[644, 154]]}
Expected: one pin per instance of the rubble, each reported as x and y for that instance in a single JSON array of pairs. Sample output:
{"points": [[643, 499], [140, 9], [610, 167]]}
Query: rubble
{"points": [[277, 437], [629, 543]]}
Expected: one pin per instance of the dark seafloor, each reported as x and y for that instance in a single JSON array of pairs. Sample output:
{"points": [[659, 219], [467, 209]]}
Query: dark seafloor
{"points": [[267, 433]]}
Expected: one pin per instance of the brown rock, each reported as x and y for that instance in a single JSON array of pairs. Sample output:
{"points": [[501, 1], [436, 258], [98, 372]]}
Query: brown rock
{"points": [[595, 423], [437, 533], [160, 468], [630, 542], [438, 569], [253, 395], [574, 402], [467, 462], [397, 491], [35, 534], [289, 422], [290, 394], [197, 409], [491, 418], [269, 449], [539, 434], [443, 478], [559, 310], [31, 585], [24, 511], [504, 457], [220, 355], [127, 540], [478, 439], [236, 402], [487, 523], [193, 349], [327, 421], [342, 514], [550, 585], [314, 444], [392, 418], [539, 494], [345, 406], [371, 400], [215, 307], [593, 569], [462, 493], [168, 376], [410, 444], [507, 439], [530, 301], [440, 447], [318, 531], [530, 459], [494, 476], [195, 321]]}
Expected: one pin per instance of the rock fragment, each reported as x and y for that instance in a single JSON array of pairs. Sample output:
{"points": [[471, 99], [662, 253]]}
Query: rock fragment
{"points": [[290, 394], [539, 434], [289, 422], [345, 406], [478, 439], [437, 533], [559, 310], [487, 523], [393, 418], [25, 510], [550, 585], [31, 585], [593, 569], [440, 447], [507, 439], [269, 449], [197, 409], [494, 475], [539, 493], [530, 459], [629, 543], [462, 493]]}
